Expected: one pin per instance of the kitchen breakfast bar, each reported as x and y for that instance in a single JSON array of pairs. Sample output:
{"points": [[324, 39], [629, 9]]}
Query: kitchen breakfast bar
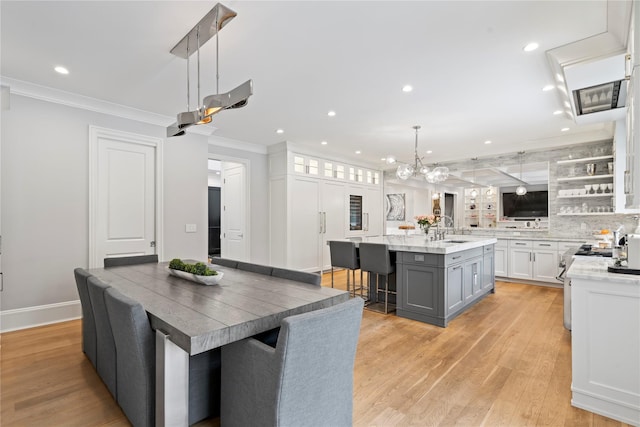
{"points": [[436, 281]]}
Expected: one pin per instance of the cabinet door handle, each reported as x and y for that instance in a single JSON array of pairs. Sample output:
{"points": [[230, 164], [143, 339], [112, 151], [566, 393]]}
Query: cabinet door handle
{"points": [[320, 222], [520, 244], [534, 257], [545, 244], [529, 256], [456, 257], [324, 222], [457, 268]]}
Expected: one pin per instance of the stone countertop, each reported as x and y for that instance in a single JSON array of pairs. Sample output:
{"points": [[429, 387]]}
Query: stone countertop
{"points": [[419, 243], [536, 238], [595, 269]]}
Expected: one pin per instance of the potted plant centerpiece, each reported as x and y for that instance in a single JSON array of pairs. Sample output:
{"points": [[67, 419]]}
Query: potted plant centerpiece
{"points": [[426, 221]]}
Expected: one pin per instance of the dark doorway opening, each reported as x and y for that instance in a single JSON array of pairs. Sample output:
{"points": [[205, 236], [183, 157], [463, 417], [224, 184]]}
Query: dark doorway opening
{"points": [[214, 221]]}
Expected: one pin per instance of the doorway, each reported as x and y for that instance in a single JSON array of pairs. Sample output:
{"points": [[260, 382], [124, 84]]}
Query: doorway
{"points": [[449, 209], [125, 195], [228, 205]]}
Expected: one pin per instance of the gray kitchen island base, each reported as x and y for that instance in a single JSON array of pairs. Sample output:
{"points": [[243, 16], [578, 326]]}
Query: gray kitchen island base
{"points": [[436, 288]]}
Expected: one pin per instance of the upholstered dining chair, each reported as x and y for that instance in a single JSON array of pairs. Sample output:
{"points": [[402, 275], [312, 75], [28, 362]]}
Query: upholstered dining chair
{"points": [[135, 350], [105, 347], [306, 380], [375, 258], [345, 255], [255, 268], [300, 276], [130, 260], [225, 262], [88, 321]]}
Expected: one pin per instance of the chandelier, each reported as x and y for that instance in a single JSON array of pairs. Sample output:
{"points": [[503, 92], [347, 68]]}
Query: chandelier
{"points": [[208, 27], [406, 170]]}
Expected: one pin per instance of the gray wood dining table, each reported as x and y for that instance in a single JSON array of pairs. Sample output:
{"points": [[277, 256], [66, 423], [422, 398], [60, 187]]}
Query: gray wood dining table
{"points": [[190, 318]]}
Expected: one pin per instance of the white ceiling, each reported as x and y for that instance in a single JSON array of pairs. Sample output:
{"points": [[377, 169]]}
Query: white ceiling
{"points": [[472, 80]]}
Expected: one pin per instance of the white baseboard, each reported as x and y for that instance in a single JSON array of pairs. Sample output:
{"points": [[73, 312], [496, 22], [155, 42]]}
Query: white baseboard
{"points": [[29, 317]]}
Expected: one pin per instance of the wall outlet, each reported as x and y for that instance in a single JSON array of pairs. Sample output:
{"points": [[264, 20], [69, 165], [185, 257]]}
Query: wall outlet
{"points": [[190, 228]]}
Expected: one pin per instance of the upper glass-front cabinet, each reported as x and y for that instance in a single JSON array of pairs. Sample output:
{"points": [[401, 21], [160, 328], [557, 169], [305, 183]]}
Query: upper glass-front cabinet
{"points": [[302, 164]]}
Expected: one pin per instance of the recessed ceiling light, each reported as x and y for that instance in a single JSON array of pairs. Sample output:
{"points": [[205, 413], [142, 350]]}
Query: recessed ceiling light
{"points": [[331, 113], [60, 69], [323, 142], [407, 88], [530, 47], [564, 129], [548, 88], [487, 142], [217, 172], [358, 151], [557, 112], [279, 130], [429, 151]]}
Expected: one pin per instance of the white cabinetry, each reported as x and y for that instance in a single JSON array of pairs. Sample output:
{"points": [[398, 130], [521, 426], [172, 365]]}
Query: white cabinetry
{"points": [[310, 205], [605, 346], [501, 260], [533, 260]]}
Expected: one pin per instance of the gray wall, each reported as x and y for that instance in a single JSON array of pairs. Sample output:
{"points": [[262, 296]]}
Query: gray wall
{"points": [[45, 197]]}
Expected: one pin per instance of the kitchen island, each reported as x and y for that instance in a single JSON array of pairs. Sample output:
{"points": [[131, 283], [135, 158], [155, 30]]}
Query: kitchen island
{"points": [[605, 340], [438, 280]]}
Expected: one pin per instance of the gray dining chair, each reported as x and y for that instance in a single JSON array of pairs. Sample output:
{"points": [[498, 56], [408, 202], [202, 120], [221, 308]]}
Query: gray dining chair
{"points": [[225, 262], [345, 255], [105, 346], [88, 321], [300, 276], [306, 380], [135, 350], [375, 258], [255, 268], [130, 260]]}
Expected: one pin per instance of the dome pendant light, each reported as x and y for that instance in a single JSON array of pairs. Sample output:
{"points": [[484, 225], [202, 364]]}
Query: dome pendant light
{"points": [[521, 190]]}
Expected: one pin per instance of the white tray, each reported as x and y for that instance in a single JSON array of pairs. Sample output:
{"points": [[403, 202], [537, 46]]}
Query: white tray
{"points": [[203, 280]]}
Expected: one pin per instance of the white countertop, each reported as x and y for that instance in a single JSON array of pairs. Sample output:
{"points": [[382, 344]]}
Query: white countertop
{"points": [[420, 243], [595, 268]]}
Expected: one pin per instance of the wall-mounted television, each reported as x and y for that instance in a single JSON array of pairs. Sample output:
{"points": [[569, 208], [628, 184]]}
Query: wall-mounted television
{"points": [[534, 204]]}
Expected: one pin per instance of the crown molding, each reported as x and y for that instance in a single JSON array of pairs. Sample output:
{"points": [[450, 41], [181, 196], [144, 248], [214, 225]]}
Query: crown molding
{"points": [[57, 96], [221, 141]]}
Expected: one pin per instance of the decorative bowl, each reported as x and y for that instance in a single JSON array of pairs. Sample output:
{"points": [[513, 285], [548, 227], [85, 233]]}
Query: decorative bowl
{"points": [[203, 280]]}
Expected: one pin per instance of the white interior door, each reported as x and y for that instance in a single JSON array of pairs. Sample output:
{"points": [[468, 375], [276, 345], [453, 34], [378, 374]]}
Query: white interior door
{"points": [[234, 211], [124, 195]]}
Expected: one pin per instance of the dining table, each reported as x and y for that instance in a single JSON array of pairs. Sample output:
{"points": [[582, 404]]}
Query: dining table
{"points": [[190, 318]]}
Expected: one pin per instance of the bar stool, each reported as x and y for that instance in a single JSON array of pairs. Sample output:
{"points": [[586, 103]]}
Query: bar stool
{"points": [[375, 258], [345, 255]]}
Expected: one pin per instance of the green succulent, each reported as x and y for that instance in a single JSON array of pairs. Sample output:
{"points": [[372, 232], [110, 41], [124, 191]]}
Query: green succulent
{"points": [[199, 268]]}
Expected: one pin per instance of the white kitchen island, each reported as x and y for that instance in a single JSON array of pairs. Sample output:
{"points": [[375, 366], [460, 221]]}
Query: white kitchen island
{"points": [[605, 340]]}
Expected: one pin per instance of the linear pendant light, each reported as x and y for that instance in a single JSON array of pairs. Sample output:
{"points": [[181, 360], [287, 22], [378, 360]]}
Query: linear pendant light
{"points": [[208, 27]]}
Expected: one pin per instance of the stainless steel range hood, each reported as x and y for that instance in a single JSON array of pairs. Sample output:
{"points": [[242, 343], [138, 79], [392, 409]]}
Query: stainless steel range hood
{"points": [[598, 89]]}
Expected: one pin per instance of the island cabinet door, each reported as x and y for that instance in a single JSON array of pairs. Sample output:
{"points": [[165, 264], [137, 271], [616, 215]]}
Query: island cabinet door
{"points": [[454, 289], [473, 279], [488, 269], [419, 292]]}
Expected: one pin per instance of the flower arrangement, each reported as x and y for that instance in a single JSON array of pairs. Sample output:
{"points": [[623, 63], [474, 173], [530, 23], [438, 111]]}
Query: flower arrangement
{"points": [[426, 221]]}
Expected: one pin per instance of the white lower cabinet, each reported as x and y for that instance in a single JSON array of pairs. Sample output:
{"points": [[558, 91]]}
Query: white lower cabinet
{"points": [[533, 260], [501, 260]]}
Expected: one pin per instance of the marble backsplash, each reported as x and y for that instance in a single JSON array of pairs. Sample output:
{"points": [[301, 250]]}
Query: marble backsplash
{"points": [[569, 225]]}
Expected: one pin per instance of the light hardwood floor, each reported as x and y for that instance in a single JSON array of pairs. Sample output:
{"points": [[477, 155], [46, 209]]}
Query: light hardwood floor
{"points": [[506, 362]]}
